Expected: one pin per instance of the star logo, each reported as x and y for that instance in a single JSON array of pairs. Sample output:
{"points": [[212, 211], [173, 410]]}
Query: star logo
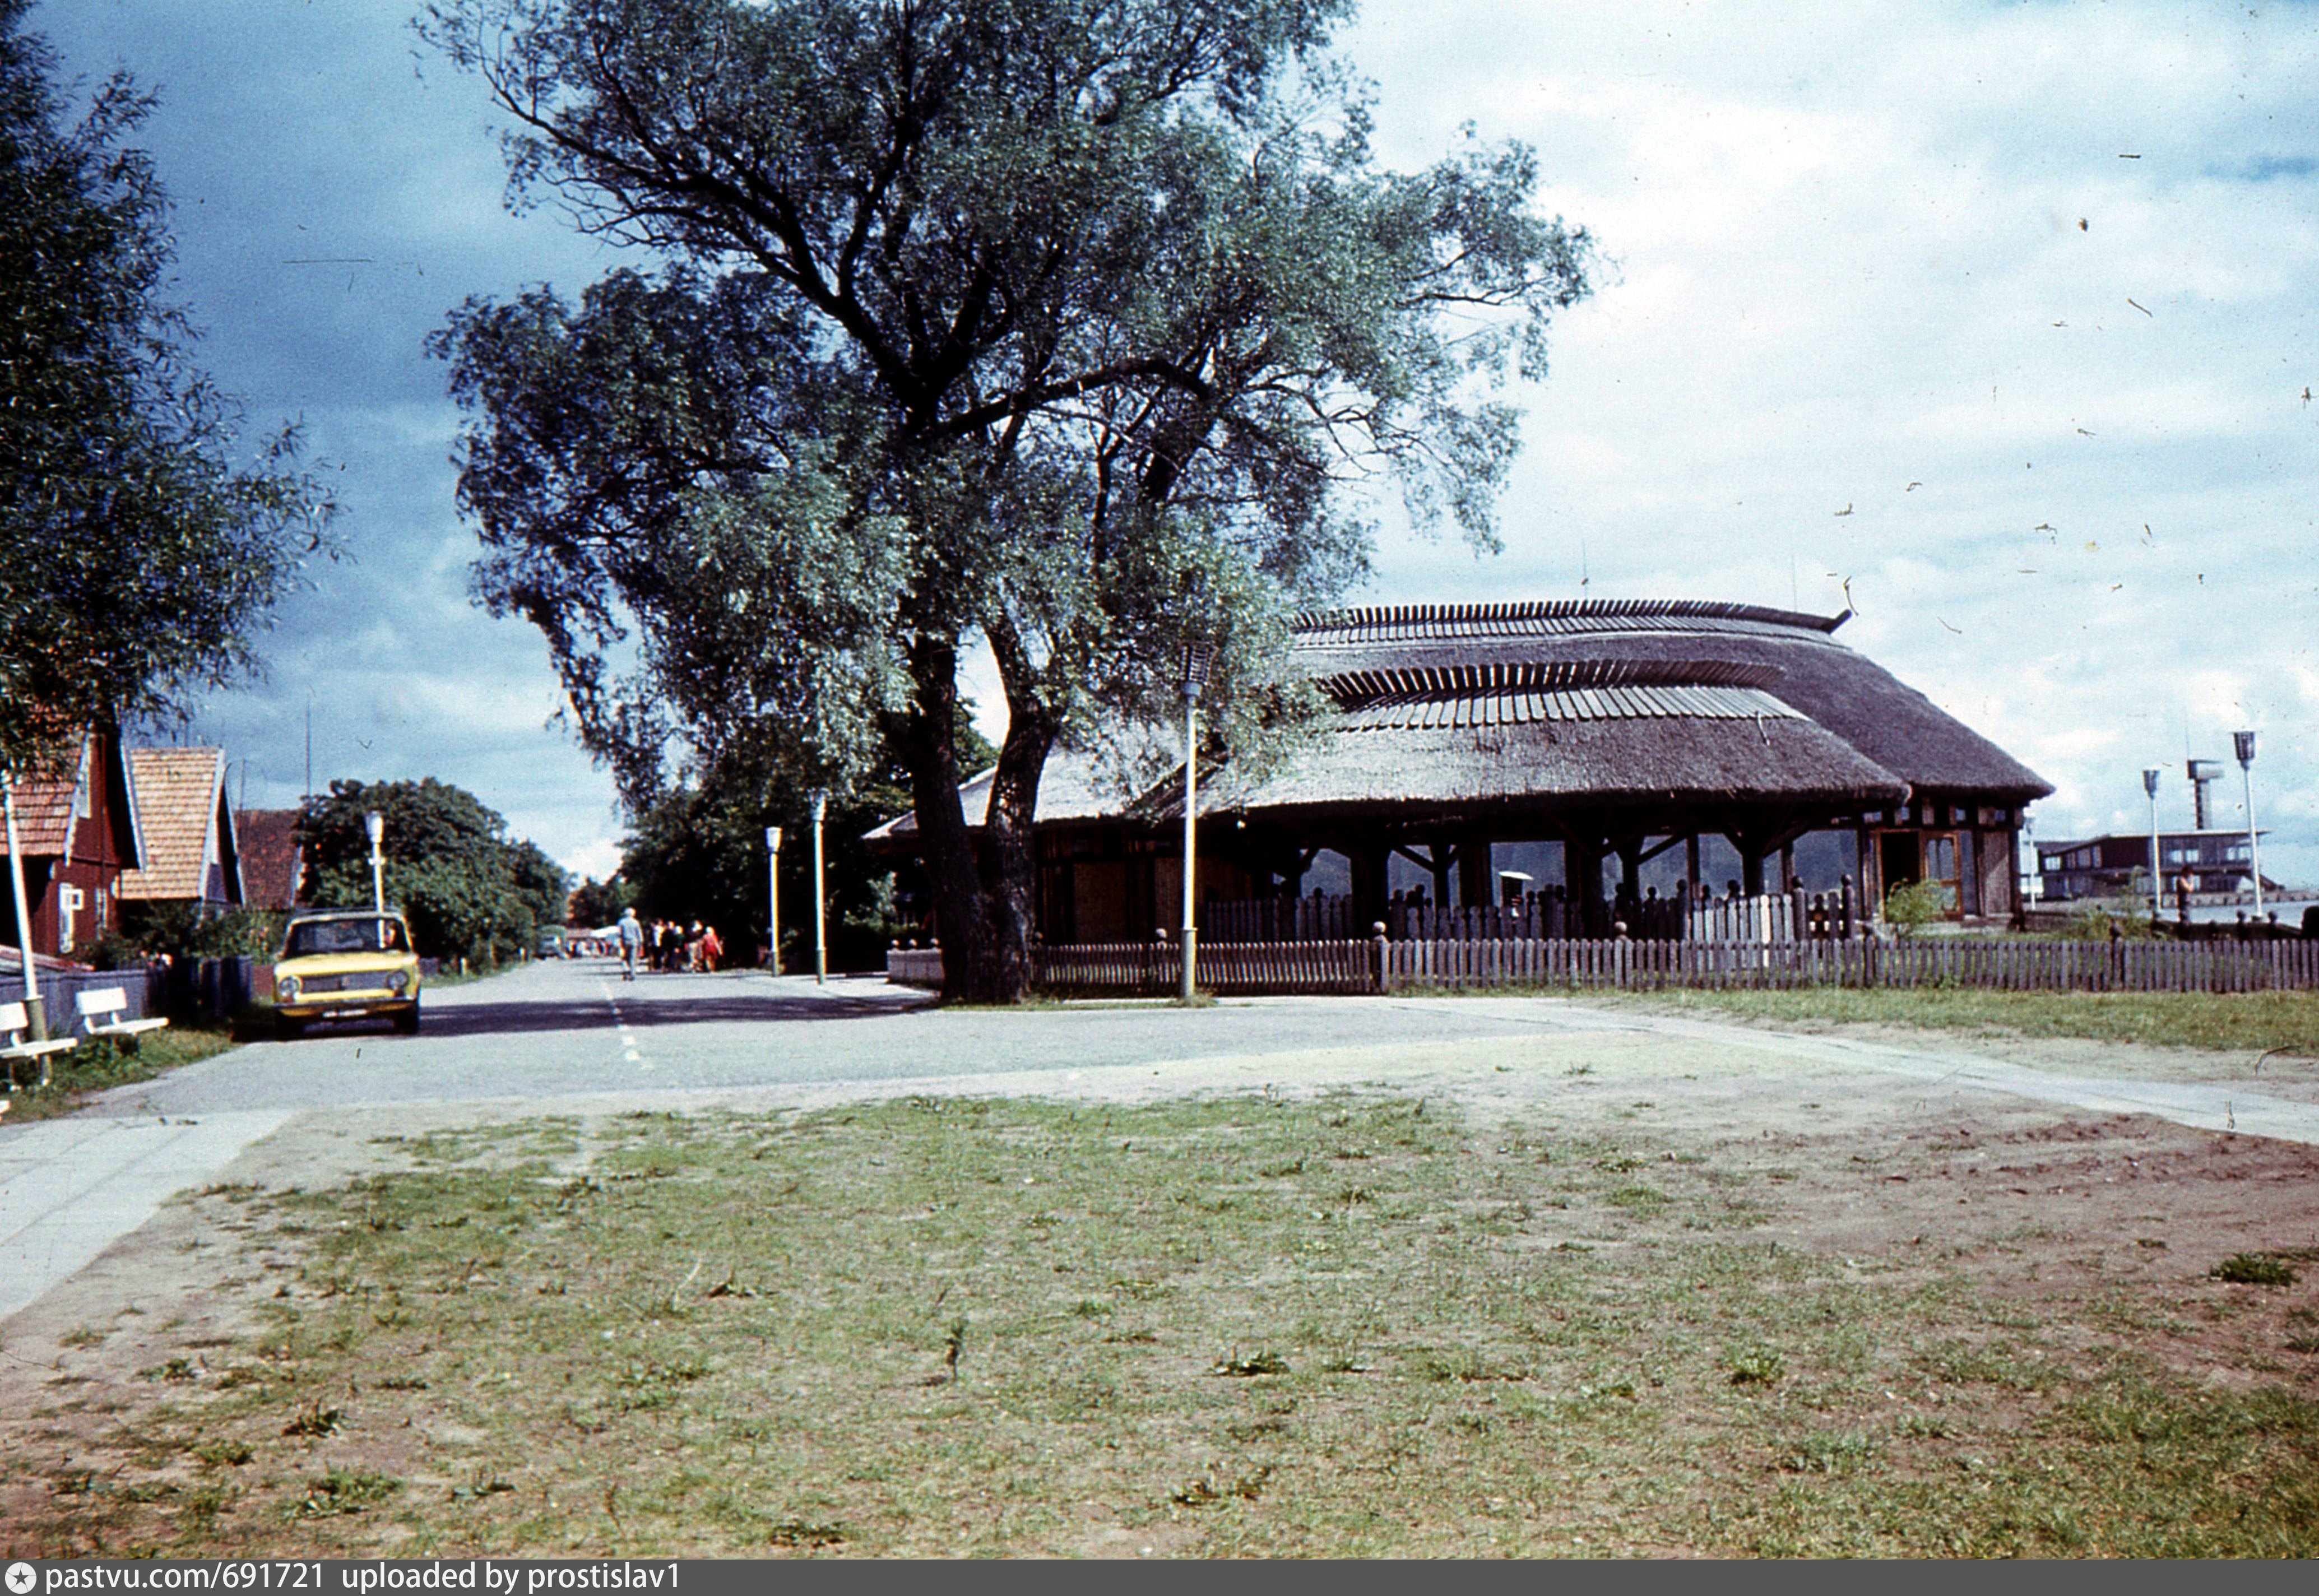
{"points": [[21, 1578]]}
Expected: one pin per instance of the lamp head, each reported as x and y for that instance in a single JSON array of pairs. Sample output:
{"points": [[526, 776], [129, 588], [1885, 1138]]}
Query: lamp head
{"points": [[2243, 743], [2150, 782], [1198, 659], [773, 839], [374, 823]]}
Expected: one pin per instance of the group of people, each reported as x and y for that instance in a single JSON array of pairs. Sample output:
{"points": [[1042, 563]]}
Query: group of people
{"points": [[666, 946]]}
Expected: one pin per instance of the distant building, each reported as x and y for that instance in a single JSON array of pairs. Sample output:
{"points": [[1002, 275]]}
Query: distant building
{"points": [[273, 860], [76, 832], [2108, 866], [191, 855]]}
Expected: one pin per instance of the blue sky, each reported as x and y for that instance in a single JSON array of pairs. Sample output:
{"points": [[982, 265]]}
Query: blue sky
{"points": [[2025, 289]]}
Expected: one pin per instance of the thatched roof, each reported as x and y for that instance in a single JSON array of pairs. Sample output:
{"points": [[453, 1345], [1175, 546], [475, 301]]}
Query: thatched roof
{"points": [[1883, 719], [1576, 704]]}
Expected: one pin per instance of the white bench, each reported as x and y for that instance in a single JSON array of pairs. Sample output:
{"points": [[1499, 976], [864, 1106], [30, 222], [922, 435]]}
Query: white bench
{"points": [[101, 1009], [13, 1024]]}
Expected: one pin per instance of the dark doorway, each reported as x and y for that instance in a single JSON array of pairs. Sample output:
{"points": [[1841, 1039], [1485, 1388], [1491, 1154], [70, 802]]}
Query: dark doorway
{"points": [[1897, 857]]}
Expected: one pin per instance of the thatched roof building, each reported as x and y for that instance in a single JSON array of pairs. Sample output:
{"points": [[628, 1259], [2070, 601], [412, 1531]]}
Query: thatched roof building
{"points": [[1619, 729]]}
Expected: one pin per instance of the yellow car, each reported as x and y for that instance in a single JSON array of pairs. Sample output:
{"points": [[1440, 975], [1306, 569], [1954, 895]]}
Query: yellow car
{"points": [[346, 964]]}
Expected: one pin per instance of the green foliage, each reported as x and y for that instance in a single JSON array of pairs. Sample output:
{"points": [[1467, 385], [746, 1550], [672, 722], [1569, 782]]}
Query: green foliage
{"points": [[699, 853], [1054, 326], [2095, 921], [1909, 909], [184, 932], [468, 892], [598, 903], [137, 555], [2254, 1268]]}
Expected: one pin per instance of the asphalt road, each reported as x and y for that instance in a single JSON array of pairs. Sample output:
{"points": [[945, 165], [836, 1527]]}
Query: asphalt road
{"points": [[573, 1036], [566, 1028]]}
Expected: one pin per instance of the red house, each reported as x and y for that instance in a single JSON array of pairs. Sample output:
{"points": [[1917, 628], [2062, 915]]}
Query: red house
{"points": [[77, 831]]}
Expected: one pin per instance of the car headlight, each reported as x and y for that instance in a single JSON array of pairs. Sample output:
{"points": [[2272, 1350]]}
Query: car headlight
{"points": [[399, 982], [285, 990]]}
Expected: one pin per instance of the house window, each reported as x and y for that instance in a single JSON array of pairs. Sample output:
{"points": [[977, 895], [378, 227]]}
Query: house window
{"points": [[69, 903], [1941, 869]]}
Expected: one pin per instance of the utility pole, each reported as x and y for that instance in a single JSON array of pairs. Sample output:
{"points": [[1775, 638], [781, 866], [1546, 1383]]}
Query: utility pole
{"points": [[820, 912], [34, 1010], [2149, 786], [2244, 744], [1196, 658], [773, 895]]}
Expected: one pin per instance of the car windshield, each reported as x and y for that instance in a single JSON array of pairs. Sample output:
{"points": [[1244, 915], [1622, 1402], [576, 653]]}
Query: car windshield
{"points": [[366, 935]]}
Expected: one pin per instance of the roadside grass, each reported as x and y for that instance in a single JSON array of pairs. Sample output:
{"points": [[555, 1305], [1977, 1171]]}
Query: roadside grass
{"points": [[97, 1065], [1347, 1326], [2254, 1021]]}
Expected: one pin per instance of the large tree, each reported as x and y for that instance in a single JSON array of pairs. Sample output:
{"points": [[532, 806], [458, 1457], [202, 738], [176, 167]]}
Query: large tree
{"points": [[1055, 323], [140, 548], [467, 889]]}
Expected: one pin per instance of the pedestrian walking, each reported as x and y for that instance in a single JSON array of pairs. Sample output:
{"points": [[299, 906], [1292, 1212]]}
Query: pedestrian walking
{"points": [[632, 942]]}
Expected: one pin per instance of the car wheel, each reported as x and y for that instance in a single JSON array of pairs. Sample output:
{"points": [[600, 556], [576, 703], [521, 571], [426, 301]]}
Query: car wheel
{"points": [[287, 1029], [407, 1022]]}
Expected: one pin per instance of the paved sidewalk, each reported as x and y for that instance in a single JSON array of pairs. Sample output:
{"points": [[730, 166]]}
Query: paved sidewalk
{"points": [[2199, 1107], [70, 1187]]}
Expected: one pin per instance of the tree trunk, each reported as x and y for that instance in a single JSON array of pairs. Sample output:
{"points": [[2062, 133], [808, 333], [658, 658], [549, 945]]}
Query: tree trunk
{"points": [[1010, 863], [961, 925]]}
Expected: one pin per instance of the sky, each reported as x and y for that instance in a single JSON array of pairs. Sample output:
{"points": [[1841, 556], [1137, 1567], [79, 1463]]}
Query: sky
{"points": [[1993, 323]]}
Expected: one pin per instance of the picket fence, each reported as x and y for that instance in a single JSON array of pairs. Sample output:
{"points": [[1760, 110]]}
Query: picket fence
{"points": [[1540, 916], [1371, 965]]}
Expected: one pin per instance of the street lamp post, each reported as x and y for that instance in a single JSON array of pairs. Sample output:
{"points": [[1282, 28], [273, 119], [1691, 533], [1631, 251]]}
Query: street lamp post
{"points": [[773, 895], [2244, 744], [374, 823], [1196, 658], [2149, 786], [820, 915]]}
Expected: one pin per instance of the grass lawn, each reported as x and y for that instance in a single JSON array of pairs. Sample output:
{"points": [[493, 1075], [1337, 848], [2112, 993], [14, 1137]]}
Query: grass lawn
{"points": [[96, 1065], [1334, 1326], [2253, 1022]]}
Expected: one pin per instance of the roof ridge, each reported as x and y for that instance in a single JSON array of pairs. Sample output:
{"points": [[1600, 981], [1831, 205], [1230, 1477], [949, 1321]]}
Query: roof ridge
{"points": [[1350, 688], [1397, 616]]}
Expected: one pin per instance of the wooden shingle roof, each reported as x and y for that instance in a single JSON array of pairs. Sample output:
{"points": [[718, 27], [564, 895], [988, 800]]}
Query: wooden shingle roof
{"points": [[180, 796], [48, 807], [271, 857]]}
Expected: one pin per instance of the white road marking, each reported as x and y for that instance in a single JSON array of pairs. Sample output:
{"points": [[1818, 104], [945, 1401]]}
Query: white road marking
{"points": [[629, 1052]]}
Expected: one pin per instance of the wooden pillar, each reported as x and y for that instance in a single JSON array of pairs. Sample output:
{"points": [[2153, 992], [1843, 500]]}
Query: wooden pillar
{"points": [[1368, 873], [1691, 862], [1478, 888], [1443, 857], [1583, 865]]}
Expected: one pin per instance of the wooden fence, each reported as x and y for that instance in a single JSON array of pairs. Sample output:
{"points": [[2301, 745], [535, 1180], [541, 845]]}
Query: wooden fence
{"points": [[1372, 965]]}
